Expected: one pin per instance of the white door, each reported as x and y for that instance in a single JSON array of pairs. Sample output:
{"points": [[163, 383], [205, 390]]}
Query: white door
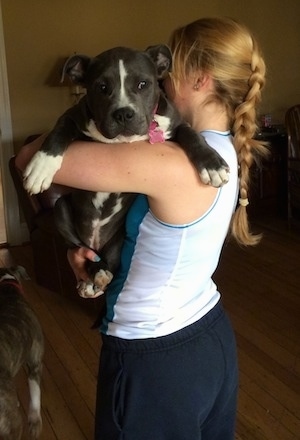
{"points": [[11, 207]]}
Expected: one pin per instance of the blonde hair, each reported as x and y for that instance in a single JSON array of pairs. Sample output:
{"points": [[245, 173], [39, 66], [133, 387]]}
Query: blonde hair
{"points": [[228, 52]]}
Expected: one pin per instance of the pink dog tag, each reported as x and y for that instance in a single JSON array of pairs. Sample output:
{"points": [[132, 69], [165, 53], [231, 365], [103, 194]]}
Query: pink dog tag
{"points": [[155, 133]]}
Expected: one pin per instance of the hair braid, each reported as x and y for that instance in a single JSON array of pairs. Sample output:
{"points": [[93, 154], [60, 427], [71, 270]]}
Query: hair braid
{"points": [[244, 129]]}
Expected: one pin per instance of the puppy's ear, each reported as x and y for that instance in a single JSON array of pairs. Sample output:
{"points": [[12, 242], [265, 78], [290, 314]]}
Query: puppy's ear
{"points": [[162, 57], [19, 272], [75, 68]]}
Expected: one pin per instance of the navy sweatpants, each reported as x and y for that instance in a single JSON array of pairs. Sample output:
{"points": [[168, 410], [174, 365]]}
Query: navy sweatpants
{"points": [[177, 387]]}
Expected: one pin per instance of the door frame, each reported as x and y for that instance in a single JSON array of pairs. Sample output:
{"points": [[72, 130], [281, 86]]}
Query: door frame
{"points": [[10, 200]]}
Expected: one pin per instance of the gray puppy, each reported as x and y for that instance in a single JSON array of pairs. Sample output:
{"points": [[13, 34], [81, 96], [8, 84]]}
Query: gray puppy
{"points": [[21, 343]]}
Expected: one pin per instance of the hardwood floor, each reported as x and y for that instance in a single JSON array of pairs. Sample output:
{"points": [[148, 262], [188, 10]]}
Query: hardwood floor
{"points": [[260, 288]]}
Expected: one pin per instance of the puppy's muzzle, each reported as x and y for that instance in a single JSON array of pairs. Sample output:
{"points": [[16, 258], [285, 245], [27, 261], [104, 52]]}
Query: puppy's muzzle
{"points": [[123, 115]]}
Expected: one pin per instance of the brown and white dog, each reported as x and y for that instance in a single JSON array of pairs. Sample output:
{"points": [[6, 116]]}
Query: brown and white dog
{"points": [[21, 343]]}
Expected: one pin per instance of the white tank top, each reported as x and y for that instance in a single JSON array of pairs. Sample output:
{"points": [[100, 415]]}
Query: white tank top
{"points": [[165, 278]]}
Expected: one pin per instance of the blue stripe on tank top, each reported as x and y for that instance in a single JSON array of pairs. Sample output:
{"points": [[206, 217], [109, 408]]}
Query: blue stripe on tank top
{"points": [[134, 218]]}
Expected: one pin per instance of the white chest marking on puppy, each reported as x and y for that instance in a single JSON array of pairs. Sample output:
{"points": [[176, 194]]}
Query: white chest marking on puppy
{"points": [[97, 224], [163, 125], [99, 199], [98, 202]]}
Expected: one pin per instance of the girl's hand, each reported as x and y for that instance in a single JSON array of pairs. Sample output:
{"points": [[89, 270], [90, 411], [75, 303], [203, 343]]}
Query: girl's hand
{"points": [[77, 258]]}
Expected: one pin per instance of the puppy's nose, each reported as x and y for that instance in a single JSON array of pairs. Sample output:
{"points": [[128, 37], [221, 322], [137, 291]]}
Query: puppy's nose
{"points": [[123, 115]]}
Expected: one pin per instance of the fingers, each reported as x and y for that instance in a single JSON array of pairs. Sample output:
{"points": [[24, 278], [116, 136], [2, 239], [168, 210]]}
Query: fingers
{"points": [[77, 258], [89, 254]]}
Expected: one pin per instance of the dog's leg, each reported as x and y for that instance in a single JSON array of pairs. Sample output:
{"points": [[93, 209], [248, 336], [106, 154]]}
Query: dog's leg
{"points": [[67, 216], [65, 220], [212, 168], [34, 413], [103, 273], [11, 425], [39, 173], [34, 369], [100, 277]]}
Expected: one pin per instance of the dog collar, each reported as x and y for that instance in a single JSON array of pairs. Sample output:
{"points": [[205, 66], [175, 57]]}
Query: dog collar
{"points": [[13, 283], [155, 133]]}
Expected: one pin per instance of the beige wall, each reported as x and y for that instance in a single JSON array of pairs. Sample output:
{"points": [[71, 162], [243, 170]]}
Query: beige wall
{"points": [[39, 32]]}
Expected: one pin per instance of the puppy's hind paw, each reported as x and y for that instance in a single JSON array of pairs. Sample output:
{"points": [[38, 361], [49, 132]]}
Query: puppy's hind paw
{"points": [[88, 290], [102, 279]]}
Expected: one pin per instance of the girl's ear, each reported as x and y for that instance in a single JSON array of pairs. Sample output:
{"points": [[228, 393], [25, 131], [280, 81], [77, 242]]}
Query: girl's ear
{"points": [[201, 81]]}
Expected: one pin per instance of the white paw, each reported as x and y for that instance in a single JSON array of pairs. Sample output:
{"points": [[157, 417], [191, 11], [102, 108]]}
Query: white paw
{"points": [[40, 171], [88, 290], [35, 425], [102, 279], [216, 178]]}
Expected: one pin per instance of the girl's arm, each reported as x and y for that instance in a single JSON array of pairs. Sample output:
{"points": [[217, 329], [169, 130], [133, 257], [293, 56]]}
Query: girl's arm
{"points": [[162, 171], [131, 167]]}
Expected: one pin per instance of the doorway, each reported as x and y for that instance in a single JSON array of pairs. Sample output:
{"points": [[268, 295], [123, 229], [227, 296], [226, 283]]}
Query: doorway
{"points": [[3, 237], [9, 207]]}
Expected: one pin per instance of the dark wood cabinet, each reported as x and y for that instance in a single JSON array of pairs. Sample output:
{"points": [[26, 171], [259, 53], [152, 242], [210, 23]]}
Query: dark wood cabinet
{"points": [[268, 190]]}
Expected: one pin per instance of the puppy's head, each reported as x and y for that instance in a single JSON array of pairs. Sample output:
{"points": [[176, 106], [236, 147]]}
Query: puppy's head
{"points": [[13, 273], [122, 87]]}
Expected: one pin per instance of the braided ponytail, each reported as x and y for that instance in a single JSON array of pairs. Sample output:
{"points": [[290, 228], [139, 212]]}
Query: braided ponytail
{"points": [[244, 128]]}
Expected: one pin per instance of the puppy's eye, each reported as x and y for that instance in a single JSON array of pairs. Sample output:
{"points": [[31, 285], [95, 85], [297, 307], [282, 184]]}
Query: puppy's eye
{"points": [[142, 85], [102, 88]]}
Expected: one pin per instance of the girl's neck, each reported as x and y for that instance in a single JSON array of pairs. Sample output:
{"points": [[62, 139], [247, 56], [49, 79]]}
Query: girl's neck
{"points": [[210, 116]]}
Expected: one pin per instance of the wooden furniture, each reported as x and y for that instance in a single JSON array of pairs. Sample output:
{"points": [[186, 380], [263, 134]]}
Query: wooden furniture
{"points": [[51, 267], [292, 122], [268, 191]]}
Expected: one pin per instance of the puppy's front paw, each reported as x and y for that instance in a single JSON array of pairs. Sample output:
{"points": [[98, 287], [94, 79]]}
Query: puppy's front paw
{"points": [[213, 169], [215, 177], [40, 171]]}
